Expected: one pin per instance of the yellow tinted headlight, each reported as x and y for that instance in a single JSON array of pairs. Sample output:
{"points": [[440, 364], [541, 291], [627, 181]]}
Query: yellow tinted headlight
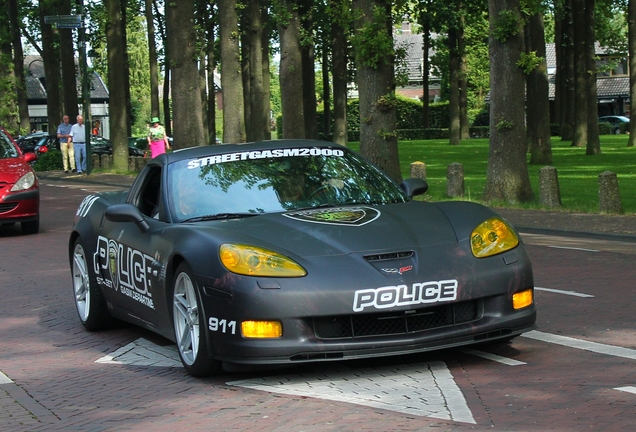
{"points": [[255, 261], [491, 237], [522, 299], [261, 329]]}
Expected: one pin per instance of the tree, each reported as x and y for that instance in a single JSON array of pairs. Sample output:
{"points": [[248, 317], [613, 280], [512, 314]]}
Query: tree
{"points": [[258, 129], [231, 77], [152, 60], [291, 71], [18, 66], [186, 93], [69, 72], [340, 15], [116, 45], [507, 177], [374, 56], [537, 97], [631, 19], [51, 60]]}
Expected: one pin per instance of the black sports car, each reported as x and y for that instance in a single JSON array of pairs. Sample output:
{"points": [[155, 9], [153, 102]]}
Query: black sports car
{"points": [[294, 251]]}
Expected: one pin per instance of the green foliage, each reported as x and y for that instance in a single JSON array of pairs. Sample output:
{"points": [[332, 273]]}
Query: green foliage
{"points": [[578, 173], [372, 42], [49, 161], [529, 61], [506, 25]]}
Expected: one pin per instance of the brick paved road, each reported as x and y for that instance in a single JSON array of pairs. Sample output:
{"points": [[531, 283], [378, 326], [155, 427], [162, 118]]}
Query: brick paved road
{"points": [[554, 379]]}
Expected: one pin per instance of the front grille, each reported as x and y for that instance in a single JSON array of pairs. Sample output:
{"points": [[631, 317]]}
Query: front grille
{"points": [[389, 256], [395, 323], [7, 207]]}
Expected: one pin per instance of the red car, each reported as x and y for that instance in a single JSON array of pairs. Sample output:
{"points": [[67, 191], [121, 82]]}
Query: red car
{"points": [[19, 189]]}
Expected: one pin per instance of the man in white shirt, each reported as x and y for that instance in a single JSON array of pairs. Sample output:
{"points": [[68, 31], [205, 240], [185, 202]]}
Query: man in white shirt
{"points": [[78, 133]]}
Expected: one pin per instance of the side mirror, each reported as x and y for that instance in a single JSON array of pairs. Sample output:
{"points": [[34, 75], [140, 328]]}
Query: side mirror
{"points": [[414, 186], [126, 213], [30, 157]]}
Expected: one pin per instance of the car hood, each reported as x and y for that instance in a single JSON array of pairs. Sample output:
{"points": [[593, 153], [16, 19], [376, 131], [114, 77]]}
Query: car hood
{"points": [[350, 229], [11, 169]]}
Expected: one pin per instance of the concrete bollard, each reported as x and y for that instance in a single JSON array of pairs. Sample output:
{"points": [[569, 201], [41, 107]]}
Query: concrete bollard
{"points": [[549, 194], [455, 180], [106, 161], [609, 197], [418, 170], [95, 161]]}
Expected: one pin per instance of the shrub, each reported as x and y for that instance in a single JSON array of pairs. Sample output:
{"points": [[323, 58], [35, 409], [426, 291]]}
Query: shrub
{"points": [[49, 161]]}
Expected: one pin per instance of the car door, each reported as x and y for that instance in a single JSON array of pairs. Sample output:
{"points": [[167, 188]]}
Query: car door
{"points": [[133, 258]]}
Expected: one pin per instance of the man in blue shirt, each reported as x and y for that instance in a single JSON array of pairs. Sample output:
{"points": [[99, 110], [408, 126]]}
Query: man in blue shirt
{"points": [[66, 144], [78, 132]]}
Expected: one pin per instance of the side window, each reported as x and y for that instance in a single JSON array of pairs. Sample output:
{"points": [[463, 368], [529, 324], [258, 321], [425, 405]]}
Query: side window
{"points": [[149, 196]]}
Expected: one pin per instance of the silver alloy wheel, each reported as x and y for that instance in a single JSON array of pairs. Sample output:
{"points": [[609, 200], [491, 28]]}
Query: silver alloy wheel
{"points": [[186, 318], [81, 284]]}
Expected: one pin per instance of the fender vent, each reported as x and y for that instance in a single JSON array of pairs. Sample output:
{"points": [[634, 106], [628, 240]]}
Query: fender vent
{"points": [[388, 256]]}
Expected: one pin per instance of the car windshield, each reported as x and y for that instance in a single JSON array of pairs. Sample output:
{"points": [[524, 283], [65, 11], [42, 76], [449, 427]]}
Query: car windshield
{"points": [[7, 149], [252, 182]]}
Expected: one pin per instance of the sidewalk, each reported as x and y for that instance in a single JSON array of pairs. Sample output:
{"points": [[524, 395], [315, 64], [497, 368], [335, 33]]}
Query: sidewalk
{"points": [[617, 227]]}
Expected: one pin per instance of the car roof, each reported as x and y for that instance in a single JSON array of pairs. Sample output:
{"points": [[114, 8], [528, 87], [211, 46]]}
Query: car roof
{"points": [[207, 150]]}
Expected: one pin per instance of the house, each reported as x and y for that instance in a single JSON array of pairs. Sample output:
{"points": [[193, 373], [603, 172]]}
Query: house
{"points": [[36, 95]]}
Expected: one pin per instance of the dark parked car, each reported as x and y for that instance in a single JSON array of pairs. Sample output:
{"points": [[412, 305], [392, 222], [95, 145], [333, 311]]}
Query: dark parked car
{"points": [[100, 146], [293, 251], [28, 143], [617, 123], [19, 189]]}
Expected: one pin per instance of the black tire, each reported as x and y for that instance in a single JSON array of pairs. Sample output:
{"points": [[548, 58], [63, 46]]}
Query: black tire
{"points": [[30, 227], [89, 300], [189, 325]]}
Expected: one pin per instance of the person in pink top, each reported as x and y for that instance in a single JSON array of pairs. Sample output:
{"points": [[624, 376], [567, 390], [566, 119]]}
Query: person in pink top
{"points": [[157, 139]]}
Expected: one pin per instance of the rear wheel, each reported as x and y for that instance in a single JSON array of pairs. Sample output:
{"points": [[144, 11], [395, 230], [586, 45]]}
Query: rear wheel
{"points": [[31, 227], [189, 325], [90, 304]]}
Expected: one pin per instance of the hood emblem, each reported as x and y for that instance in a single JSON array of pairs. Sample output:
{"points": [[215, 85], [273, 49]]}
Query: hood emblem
{"points": [[399, 270], [349, 216]]}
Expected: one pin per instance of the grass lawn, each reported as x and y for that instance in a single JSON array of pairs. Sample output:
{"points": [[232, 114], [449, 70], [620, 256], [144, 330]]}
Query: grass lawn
{"points": [[577, 173]]}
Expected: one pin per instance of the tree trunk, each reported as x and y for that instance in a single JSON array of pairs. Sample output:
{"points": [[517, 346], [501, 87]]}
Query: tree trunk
{"points": [[116, 45], [291, 74], [152, 56], [259, 105], [186, 94], [165, 100], [211, 101], [339, 73], [376, 85], [245, 76], [453, 56], [426, 104], [51, 60], [593, 140], [8, 103], [231, 79], [565, 72], [69, 71], [326, 91], [464, 132], [580, 65], [18, 67], [309, 72], [537, 96], [507, 177], [266, 75], [631, 22]]}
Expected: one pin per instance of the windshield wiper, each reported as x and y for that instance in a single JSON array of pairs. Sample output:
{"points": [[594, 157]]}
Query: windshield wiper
{"points": [[219, 216]]}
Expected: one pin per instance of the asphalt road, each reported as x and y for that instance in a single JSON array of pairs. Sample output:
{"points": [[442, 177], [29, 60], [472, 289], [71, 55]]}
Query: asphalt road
{"points": [[575, 372]]}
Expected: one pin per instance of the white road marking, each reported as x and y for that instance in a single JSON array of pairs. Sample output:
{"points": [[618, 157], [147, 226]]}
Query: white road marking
{"points": [[628, 389], [574, 248], [422, 389], [494, 357], [144, 353], [5, 379], [572, 293], [596, 347]]}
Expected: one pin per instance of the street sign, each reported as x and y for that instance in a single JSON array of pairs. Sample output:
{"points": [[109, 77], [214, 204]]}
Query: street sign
{"points": [[63, 19], [68, 25]]}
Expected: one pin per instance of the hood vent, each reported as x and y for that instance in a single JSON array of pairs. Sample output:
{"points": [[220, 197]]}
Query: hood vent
{"points": [[389, 256]]}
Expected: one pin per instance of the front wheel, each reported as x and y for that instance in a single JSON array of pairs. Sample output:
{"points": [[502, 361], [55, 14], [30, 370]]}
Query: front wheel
{"points": [[189, 324], [90, 304]]}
